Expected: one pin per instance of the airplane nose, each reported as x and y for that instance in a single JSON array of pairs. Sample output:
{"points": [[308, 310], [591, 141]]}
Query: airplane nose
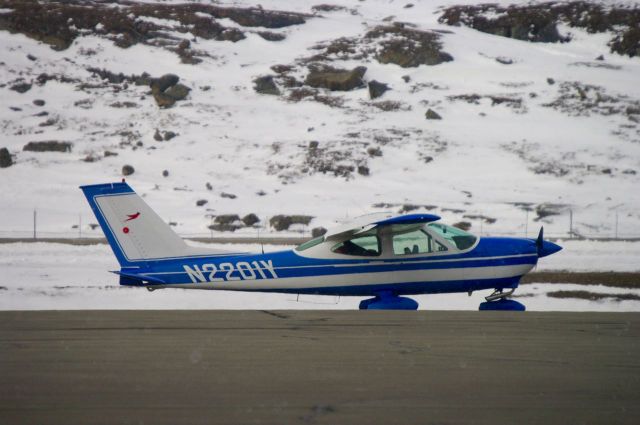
{"points": [[548, 248]]}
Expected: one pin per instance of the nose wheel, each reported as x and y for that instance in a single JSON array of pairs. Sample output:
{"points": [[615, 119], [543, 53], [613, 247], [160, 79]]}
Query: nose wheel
{"points": [[498, 301]]}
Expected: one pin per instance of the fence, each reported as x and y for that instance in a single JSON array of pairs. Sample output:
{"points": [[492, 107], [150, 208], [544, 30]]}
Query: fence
{"points": [[565, 226]]}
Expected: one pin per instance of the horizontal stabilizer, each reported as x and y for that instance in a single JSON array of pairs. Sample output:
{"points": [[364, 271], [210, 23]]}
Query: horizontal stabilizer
{"points": [[133, 279]]}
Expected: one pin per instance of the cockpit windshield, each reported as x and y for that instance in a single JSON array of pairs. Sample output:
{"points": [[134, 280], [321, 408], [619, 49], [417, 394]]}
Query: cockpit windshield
{"points": [[310, 244], [458, 238]]}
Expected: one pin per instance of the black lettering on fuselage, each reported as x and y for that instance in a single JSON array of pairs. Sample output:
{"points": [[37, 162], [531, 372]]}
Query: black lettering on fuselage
{"points": [[228, 272]]}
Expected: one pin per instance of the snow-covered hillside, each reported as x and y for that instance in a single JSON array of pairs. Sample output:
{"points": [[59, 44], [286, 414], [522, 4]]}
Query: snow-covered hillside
{"points": [[544, 127]]}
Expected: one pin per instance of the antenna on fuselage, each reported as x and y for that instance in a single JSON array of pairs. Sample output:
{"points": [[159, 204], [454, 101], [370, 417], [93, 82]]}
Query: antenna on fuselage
{"points": [[260, 242]]}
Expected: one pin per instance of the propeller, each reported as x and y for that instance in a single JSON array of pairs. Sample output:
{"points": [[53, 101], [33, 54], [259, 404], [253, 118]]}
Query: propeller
{"points": [[543, 247], [540, 240]]}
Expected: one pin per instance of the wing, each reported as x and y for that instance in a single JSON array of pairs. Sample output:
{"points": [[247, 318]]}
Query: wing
{"points": [[371, 221]]}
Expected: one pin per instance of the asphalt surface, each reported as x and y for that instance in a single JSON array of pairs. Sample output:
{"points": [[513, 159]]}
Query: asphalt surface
{"points": [[319, 367]]}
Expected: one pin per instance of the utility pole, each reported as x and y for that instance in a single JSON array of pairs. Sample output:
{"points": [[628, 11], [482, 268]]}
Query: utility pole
{"points": [[570, 224]]}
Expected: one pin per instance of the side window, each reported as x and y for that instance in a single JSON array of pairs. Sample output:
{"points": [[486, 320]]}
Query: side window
{"points": [[367, 246], [416, 242], [459, 238]]}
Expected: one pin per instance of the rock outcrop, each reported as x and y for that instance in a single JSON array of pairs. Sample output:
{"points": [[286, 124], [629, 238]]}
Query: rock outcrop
{"points": [[5, 158], [48, 146], [336, 79]]}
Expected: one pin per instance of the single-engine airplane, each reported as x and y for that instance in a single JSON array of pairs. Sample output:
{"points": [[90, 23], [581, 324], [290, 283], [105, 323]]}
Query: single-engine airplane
{"points": [[378, 255]]}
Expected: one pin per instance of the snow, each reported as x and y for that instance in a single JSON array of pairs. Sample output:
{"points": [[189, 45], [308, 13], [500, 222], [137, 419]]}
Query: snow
{"points": [[232, 137], [42, 275], [594, 256], [226, 134]]}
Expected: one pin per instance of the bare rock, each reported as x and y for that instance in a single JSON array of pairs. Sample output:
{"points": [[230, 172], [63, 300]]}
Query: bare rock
{"points": [[224, 227], [48, 146], [316, 232], [21, 87], [538, 22], [432, 115], [534, 23], [164, 82], [549, 209], [408, 47], [157, 136], [266, 85], [226, 223], [336, 79], [127, 170], [112, 77], [39, 102], [178, 92], [250, 219], [201, 202], [374, 151], [377, 89], [486, 219], [327, 8], [226, 218], [165, 173], [283, 222], [125, 104], [463, 225], [5, 158], [167, 91], [271, 36], [228, 195]]}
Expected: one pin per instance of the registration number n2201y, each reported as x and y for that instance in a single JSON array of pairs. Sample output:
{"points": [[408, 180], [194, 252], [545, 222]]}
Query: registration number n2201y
{"points": [[226, 272]]}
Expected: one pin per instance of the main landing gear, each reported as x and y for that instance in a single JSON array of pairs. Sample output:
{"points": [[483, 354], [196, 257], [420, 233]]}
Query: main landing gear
{"points": [[498, 302], [388, 301]]}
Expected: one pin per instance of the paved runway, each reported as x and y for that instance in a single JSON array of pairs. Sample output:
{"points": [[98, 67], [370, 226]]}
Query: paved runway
{"points": [[316, 367]]}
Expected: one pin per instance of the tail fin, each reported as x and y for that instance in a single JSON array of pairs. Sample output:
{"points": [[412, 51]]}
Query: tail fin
{"points": [[134, 231]]}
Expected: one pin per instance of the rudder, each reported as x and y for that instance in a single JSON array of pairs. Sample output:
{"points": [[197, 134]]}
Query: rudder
{"points": [[134, 231]]}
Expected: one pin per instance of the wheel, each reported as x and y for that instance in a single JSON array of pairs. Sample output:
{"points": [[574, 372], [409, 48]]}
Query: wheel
{"points": [[502, 304]]}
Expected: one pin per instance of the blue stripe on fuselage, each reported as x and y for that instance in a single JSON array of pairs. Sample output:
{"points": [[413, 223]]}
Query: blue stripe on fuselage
{"points": [[490, 252], [408, 288]]}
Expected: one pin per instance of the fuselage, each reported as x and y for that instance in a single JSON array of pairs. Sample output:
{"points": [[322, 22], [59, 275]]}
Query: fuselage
{"points": [[489, 263]]}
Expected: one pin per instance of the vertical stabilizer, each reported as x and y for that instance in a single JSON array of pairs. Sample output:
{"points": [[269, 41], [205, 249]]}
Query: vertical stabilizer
{"points": [[134, 231]]}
